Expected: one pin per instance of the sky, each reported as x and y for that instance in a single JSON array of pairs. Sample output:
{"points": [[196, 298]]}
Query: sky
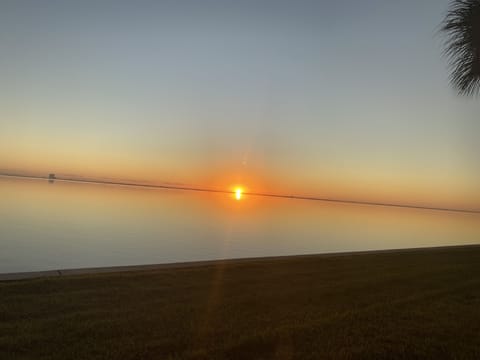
{"points": [[346, 98]]}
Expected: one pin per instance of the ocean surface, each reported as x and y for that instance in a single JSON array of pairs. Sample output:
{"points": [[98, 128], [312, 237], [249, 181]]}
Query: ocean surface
{"points": [[60, 225]]}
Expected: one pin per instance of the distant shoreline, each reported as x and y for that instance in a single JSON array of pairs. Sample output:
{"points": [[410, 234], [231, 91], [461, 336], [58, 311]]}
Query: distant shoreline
{"points": [[53, 178], [206, 263]]}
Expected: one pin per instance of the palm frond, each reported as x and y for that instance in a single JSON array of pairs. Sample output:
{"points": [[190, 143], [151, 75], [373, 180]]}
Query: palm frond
{"points": [[462, 45]]}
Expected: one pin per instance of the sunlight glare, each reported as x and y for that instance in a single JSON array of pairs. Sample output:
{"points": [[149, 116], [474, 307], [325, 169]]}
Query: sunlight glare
{"points": [[238, 193]]}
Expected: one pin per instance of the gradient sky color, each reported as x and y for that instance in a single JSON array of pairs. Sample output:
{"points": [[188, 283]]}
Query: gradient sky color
{"points": [[341, 98]]}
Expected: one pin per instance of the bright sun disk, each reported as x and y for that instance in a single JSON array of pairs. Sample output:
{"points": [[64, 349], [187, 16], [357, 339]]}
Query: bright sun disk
{"points": [[238, 193]]}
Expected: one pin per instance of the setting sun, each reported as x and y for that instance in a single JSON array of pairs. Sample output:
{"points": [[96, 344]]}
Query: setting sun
{"points": [[238, 193]]}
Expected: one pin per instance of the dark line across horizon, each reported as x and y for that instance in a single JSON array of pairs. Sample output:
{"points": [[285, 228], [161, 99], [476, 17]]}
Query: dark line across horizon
{"points": [[271, 195]]}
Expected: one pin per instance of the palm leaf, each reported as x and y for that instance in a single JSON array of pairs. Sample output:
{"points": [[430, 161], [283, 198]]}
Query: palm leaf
{"points": [[462, 45]]}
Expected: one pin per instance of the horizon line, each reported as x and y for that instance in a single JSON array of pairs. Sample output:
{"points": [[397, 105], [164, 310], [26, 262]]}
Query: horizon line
{"points": [[259, 194]]}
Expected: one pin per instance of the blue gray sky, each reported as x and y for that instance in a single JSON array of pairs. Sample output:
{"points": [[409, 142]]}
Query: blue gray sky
{"points": [[347, 97]]}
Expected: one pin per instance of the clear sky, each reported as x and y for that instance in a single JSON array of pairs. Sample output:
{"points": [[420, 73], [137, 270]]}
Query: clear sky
{"points": [[340, 98]]}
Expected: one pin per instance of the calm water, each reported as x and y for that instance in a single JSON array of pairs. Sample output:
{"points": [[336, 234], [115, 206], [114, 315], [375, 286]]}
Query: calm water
{"points": [[66, 225]]}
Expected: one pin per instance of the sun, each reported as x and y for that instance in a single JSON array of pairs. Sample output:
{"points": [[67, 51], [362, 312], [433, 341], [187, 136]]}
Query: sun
{"points": [[238, 193]]}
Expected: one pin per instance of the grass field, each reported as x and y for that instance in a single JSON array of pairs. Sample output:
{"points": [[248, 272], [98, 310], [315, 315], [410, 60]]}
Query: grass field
{"points": [[421, 304]]}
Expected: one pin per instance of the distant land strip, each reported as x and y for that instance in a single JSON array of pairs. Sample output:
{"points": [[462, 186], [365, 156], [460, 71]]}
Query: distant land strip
{"points": [[270, 195]]}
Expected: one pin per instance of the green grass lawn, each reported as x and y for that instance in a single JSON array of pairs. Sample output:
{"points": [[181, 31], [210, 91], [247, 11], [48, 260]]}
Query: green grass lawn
{"points": [[403, 305]]}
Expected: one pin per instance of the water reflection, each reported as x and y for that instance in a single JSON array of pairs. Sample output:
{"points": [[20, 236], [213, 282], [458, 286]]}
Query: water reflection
{"points": [[65, 225]]}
